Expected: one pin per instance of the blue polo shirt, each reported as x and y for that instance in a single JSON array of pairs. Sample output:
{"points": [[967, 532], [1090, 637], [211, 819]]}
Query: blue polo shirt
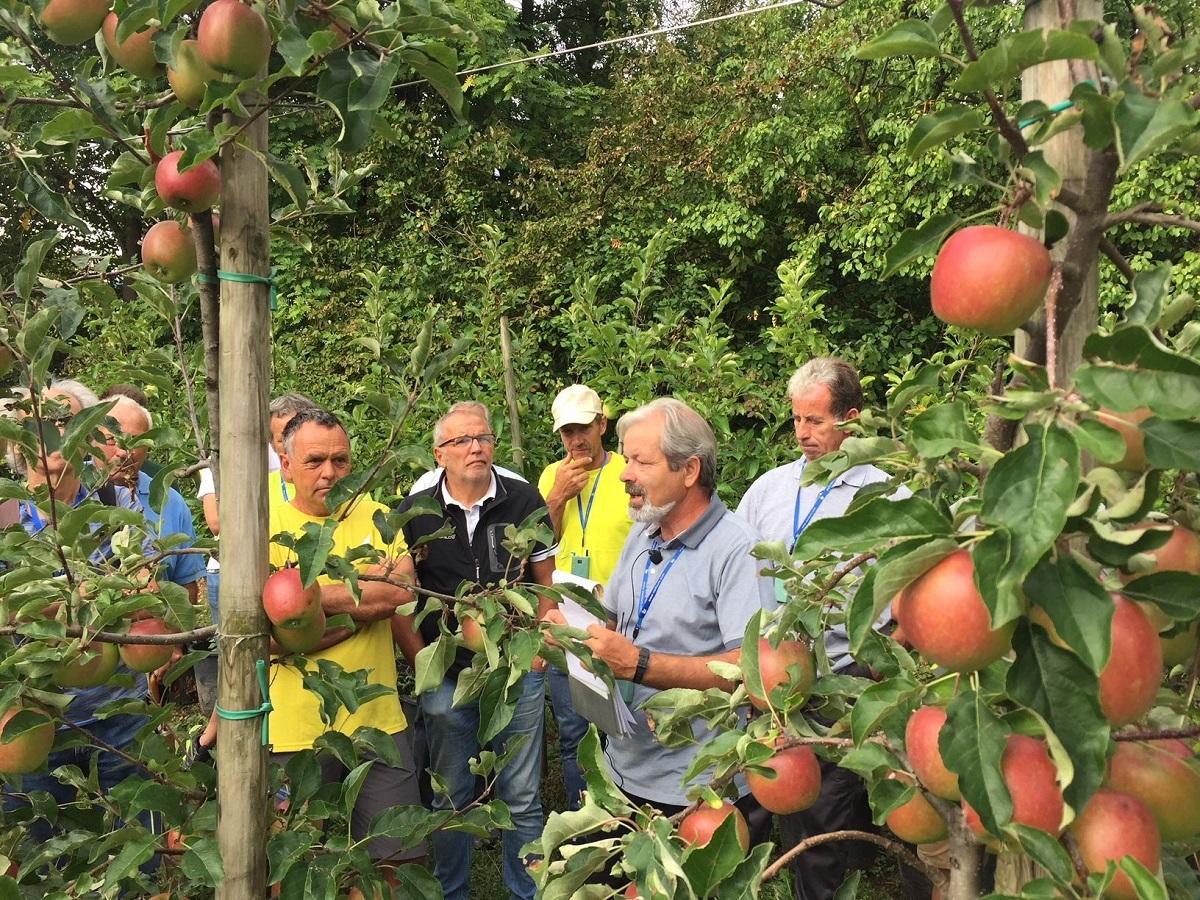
{"points": [[174, 518]]}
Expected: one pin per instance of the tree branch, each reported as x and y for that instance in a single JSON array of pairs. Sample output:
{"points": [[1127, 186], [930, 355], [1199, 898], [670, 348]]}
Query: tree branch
{"points": [[111, 637], [1109, 249], [1158, 734], [199, 796], [935, 875], [1162, 220]]}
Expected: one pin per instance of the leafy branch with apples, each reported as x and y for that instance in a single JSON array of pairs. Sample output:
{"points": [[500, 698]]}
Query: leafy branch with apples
{"points": [[1037, 699]]}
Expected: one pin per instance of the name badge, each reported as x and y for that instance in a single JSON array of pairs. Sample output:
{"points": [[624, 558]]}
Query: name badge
{"points": [[581, 566]]}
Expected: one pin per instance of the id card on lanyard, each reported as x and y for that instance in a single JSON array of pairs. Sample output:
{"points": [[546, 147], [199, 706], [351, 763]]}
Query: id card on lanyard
{"points": [[581, 563], [799, 526]]}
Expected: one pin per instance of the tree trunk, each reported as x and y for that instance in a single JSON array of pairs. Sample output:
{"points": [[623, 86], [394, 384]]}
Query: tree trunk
{"points": [[245, 354]]}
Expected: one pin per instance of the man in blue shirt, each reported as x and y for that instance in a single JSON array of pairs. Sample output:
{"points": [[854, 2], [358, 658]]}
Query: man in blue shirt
{"points": [[123, 459]]}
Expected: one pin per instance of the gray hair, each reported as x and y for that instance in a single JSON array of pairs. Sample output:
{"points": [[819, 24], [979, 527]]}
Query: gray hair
{"points": [[124, 402], [76, 390], [466, 406], [313, 414], [837, 375], [684, 434], [289, 405]]}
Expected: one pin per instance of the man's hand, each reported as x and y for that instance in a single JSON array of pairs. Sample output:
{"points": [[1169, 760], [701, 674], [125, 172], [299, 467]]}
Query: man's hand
{"points": [[570, 478], [618, 651]]}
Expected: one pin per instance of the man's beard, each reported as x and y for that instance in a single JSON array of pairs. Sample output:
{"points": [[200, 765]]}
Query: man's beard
{"points": [[648, 513]]}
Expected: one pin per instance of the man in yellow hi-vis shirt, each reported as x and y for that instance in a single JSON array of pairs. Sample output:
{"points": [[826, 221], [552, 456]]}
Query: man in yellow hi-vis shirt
{"points": [[590, 511], [316, 457]]}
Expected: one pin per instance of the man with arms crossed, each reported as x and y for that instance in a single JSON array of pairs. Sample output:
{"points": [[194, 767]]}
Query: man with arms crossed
{"points": [[588, 507], [316, 457]]}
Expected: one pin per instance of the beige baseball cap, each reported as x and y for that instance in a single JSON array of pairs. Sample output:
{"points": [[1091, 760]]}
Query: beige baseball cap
{"points": [[576, 405]]}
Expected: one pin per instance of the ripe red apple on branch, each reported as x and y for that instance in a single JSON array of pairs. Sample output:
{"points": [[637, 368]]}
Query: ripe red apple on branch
{"points": [[27, 751], [946, 620], [195, 190], [1129, 680], [71, 22], [472, 625], [169, 252], [135, 54], [790, 663], [234, 38], [1169, 785], [287, 602], [147, 657], [915, 820], [990, 279], [1032, 779], [698, 826], [190, 75], [921, 744], [1112, 826], [93, 666], [796, 783]]}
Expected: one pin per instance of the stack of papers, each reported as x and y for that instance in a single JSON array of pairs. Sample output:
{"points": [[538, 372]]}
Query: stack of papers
{"points": [[590, 695]]}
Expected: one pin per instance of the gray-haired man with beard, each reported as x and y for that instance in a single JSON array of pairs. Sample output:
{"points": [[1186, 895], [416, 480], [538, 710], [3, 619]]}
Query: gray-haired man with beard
{"points": [[681, 594]]}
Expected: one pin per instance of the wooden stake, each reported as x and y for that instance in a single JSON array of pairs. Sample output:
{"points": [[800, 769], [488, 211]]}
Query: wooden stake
{"points": [[245, 351], [510, 394]]}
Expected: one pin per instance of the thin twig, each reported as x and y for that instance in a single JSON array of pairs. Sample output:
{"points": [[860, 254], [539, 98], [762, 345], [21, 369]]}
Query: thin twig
{"points": [[934, 874], [1109, 249], [87, 276], [1163, 220], [1158, 734], [111, 637], [188, 388], [199, 796]]}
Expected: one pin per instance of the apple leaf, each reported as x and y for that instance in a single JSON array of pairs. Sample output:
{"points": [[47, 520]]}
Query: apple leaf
{"points": [[1147, 884], [707, 865], [1060, 687], [914, 243], [873, 524], [912, 37], [1145, 125], [935, 129], [879, 702], [942, 429], [972, 743], [1149, 292], [1176, 593], [1170, 395], [1172, 445], [1026, 496], [201, 865], [1047, 852], [1078, 606]]}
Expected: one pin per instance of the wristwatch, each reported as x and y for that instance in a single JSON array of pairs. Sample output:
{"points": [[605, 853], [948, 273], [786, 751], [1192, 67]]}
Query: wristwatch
{"points": [[643, 661]]}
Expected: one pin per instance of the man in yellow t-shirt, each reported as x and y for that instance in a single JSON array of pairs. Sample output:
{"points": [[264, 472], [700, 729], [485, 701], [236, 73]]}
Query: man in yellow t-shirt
{"points": [[316, 457], [590, 512]]}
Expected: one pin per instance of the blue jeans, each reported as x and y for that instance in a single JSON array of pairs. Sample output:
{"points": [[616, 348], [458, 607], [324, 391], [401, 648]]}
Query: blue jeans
{"points": [[117, 731], [453, 734], [214, 587], [571, 729]]}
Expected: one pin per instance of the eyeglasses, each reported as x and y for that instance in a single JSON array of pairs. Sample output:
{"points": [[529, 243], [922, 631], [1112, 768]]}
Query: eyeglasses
{"points": [[485, 440]]}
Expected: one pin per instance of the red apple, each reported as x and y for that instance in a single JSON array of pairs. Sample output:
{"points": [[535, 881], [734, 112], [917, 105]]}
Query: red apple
{"points": [[71, 22], [946, 620], [1130, 678], [472, 626], [288, 602], [990, 279], [921, 744], [1112, 826], [136, 53], [915, 820], [94, 665], [1032, 780], [1128, 424], [1168, 785], [1181, 552], [195, 190], [168, 252], [791, 663], [796, 784], [28, 750], [234, 38], [300, 638], [189, 75], [697, 827], [147, 657]]}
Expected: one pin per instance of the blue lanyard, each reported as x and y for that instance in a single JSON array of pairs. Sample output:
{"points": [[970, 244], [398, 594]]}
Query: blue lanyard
{"points": [[36, 519], [584, 516], [798, 527], [645, 599], [283, 488]]}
